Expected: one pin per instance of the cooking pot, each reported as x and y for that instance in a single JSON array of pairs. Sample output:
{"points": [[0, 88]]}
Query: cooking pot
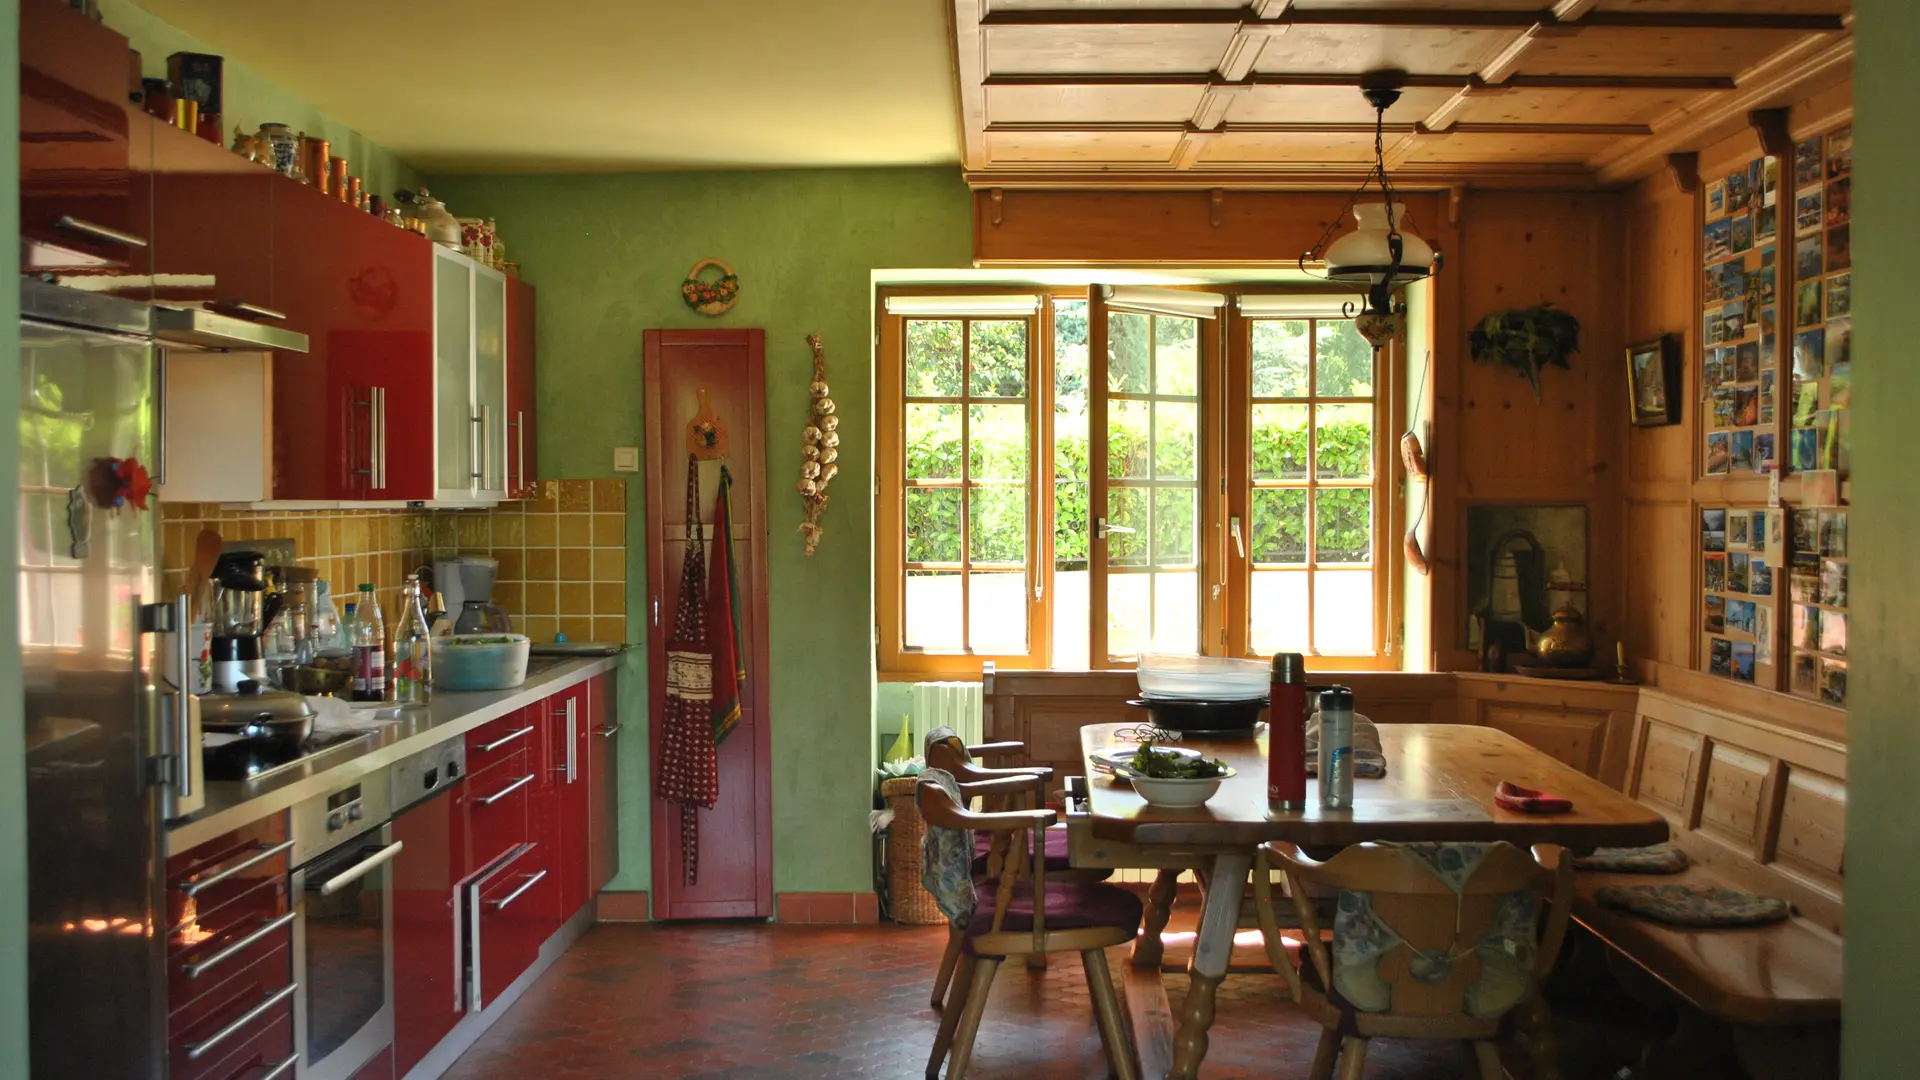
{"points": [[256, 712], [1170, 714]]}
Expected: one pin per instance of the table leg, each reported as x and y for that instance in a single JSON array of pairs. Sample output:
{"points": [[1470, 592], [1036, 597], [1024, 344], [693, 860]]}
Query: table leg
{"points": [[1148, 948], [1211, 951], [1543, 1048]]}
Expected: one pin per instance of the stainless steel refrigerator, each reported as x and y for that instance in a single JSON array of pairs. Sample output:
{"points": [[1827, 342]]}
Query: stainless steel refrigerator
{"points": [[103, 726]]}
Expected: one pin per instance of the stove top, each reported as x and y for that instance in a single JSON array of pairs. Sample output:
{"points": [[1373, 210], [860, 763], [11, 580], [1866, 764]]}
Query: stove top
{"points": [[255, 759]]}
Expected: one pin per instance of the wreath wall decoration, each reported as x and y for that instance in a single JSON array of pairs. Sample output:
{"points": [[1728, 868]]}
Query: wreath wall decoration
{"points": [[710, 297]]}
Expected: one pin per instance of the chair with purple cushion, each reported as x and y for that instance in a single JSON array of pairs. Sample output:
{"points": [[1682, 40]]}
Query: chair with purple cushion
{"points": [[1020, 912]]}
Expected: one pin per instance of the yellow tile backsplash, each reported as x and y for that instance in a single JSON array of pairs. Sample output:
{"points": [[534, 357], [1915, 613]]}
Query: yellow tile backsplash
{"points": [[563, 554]]}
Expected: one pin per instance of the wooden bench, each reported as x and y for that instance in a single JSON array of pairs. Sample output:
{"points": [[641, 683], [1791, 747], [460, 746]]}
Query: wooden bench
{"points": [[1756, 806]]}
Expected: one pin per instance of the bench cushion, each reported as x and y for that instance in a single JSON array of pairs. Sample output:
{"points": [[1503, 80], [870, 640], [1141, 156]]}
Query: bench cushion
{"points": [[1070, 906], [1786, 973], [1678, 903]]}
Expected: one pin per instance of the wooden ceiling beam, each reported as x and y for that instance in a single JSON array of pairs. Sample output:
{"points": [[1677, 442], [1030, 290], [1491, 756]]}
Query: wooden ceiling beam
{"points": [[1412, 18], [1094, 127], [1289, 176], [1653, 83]]}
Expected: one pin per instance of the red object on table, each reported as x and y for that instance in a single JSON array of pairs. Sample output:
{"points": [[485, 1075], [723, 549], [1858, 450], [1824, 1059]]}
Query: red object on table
{"points": [[1525, 800], [1287, 732]]}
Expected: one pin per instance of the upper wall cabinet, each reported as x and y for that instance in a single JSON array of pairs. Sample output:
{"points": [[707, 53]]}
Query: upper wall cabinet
{"points": [[470, 375]]}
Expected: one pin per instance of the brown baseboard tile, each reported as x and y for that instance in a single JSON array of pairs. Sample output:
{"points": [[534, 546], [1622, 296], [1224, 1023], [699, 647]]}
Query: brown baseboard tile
{"points": [[832, 908], [624, 907]]}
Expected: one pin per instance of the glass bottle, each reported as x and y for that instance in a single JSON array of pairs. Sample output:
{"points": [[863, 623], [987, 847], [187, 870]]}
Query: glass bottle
{"points": [[326, 620], [412, 647], [369, 648]]}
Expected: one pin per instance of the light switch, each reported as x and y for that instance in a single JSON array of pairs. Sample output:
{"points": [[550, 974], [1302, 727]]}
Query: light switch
{"points": [[626, 459]]}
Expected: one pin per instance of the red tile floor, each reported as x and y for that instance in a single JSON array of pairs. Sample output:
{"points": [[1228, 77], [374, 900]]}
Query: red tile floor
{"points": [[734, 1002]]}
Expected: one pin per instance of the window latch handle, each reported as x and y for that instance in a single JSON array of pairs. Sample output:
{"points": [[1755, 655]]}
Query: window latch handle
{"points": [[1240, 544], [1101, 529]]}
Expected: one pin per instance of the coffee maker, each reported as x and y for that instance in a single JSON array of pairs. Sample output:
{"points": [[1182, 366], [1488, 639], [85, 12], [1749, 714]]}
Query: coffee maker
{"points": [[465, 586], [241, 607]]}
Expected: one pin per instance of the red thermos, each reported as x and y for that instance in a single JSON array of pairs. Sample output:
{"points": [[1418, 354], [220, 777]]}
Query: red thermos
{"points": [[1287, 733]]}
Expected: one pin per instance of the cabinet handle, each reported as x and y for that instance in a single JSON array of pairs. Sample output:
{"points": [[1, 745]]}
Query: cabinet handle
{"points": [[380, 437], [608, 732], [362, 868], [489, 800], [199, 1050], [245, 310], [507, 738], [573, 727], [266, 930], [486, 448], [532, 880], [93, 231], [285, 1068], [259, 856]]}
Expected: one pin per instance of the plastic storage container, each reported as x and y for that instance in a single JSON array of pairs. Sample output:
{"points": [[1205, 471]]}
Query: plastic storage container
{"points": [[480, 661], [1201, 678]]}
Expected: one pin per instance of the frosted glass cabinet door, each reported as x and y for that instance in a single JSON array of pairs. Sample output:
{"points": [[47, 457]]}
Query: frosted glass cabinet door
{"points": [[456, 468], [490, 377]]}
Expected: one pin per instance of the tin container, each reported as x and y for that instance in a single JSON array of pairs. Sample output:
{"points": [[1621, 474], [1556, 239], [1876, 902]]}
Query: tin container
{"points": [[354, 198], [1336, 749], [338, 186], [313, 161]]}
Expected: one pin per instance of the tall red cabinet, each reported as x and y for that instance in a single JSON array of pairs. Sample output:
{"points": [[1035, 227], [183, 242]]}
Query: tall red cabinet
{"points": [[736, 837]]}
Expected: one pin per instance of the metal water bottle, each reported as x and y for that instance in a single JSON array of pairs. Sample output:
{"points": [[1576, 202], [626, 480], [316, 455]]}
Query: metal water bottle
{"points": [[1336, 749], [1287, 733]]}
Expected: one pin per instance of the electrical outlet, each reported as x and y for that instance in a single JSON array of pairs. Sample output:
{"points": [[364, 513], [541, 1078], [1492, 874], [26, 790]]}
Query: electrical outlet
{"points": [[626, 459]]}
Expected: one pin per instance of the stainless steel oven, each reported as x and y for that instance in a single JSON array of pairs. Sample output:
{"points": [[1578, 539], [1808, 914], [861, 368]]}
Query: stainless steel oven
{"points": [[343, 928]]}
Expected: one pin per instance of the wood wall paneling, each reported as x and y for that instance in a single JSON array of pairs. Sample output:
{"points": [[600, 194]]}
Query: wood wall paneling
{"points": [[1736, 785]]}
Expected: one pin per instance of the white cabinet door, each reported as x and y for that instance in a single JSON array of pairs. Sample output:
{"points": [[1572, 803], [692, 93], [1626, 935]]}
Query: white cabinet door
{"points": [[490, 378], [456, 436]]}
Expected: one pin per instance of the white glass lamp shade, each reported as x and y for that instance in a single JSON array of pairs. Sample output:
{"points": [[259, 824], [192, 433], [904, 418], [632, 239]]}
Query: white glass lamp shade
{"points": [[1363, 256]]}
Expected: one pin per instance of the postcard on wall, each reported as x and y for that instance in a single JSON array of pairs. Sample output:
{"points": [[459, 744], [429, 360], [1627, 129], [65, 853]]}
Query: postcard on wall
{"points": [[1757, 530], [1807, 163], [1808, 213], [1720, 657], [1806, 674], [1807, 257], [1833, 633], [1737, 527], [1840, 247], [1833, 533], [1763, 636], [1833, 583], [1740, 615], [1761, 583], [1806, 449], [1719, 244], [1716, 573], [1743, 654], [1737, 575], [1840, 151], [1806, 304], [1716, 198], [1833, 681], [1839, 295], [1718, 453], [1840, 201], [1766, 399], [1806, 627], [1810, 353], [1713, 530]]}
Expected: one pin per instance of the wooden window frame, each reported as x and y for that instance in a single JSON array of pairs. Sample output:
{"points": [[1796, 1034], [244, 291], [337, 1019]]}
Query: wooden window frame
{"points": [[1225, 373]]}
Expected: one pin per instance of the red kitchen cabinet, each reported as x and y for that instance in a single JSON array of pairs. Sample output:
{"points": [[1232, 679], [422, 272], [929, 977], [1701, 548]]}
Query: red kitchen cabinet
{"points": [[603, 784], [379, 1068], [498, 808], [213, 224], [504, 925], [523, 447], [428, 991], [572, 715]]}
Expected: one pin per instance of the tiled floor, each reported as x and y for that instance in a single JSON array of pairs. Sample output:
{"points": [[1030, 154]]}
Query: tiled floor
{"points": [[737, 1002]]}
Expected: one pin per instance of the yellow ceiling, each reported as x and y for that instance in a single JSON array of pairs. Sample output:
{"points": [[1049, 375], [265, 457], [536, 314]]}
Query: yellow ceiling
{"points": [[585, 85]]}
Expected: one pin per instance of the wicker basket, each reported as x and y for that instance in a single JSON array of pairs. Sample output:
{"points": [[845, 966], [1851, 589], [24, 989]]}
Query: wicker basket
{"points": [[912, 904]]}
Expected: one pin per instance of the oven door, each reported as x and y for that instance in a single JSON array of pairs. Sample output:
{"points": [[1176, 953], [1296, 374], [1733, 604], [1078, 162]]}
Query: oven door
{"points": [[343, 956]]}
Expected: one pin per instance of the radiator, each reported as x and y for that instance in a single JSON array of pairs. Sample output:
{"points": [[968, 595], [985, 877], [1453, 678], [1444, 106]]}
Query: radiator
{"points": [[946, 704]]}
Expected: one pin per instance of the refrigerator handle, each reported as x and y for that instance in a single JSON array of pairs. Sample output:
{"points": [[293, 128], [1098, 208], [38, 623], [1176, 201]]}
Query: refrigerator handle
{"points": [[183, 702], [160, 427]]}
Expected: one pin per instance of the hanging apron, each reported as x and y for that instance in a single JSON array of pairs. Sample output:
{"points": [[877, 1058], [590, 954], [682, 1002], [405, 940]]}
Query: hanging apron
{"points": [[689, 771]]}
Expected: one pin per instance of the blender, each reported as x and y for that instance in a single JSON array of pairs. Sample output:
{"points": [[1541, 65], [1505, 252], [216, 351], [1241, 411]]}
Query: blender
{"points": [[241, 608]]}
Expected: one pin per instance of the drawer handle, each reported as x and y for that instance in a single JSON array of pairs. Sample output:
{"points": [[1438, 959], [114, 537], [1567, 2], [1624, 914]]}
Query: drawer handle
{"points": [[362, 868], [267, 928], [282, 1069], [261, 855], [532, 880], [93, 231], [199, 1050], [489, 800], [507, 738], [609, 731]]}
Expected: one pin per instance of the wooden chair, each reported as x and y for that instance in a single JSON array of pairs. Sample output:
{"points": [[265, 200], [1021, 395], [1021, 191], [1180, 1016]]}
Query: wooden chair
{"points": [[1019, 913], [1016, 788], [1428, 915]]}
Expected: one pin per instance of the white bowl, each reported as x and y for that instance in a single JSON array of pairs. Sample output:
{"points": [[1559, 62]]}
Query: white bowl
{"points": [[1202, 678], [1176, 793]]}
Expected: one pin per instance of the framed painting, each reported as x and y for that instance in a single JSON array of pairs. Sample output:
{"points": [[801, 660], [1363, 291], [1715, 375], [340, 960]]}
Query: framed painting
{"points": [[1653, 381]]}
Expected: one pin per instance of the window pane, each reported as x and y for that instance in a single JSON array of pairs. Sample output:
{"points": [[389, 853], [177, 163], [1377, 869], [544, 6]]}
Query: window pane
{"points": [[1070, 349], [1343, 611], [1128, 349], [1343, 442], [1129, 614], [997, 351], [1279, 442], [1127, 508], [1173, 439], [1071, 601], [1070, 531], [1277, 612], [1129, 453], [1279, 526], [998, 515], [933, 358], [1176, 355], [933, 442], [1176, 611], [1173, 527], [933, 610], [933, 525], [1343, 359], [1343, 526], [1280, 358], [997, 442], [997, 612]]}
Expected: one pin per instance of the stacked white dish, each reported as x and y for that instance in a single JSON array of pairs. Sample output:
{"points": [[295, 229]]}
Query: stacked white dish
{"points": [[1171, 677]]}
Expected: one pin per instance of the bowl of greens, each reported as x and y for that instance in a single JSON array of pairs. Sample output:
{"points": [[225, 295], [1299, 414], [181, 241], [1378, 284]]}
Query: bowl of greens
{"points": [[1173, 780], [479, 661]]}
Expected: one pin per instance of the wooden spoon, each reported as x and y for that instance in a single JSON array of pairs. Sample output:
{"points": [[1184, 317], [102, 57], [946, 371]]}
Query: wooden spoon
{"points": [[206, 552]]}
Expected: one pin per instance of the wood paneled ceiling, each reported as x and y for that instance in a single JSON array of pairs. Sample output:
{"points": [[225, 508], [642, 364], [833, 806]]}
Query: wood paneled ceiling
{"points": [[1257, 92]]}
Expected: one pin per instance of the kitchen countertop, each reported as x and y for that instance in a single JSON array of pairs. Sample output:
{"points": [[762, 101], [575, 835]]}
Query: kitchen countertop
{"points": [[233, 804]]}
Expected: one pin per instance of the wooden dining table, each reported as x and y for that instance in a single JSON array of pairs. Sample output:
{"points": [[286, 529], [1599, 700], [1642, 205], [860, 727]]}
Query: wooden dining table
{"points": [[1439, 786]]}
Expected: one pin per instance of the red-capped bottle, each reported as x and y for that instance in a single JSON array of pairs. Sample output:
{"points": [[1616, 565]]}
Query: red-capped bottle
{"points": [[1287, 733]]}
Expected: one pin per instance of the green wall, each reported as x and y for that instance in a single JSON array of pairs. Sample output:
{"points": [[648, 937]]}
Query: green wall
{"points": [[608, 254], [1883, 738], [13, 774], [253, 99]]}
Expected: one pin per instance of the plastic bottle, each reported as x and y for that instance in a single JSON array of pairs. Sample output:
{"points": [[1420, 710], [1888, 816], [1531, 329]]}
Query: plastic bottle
{"points": [[369, 648], [1336, 748], [1287, 733], [325, 623], [412, 647]]}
